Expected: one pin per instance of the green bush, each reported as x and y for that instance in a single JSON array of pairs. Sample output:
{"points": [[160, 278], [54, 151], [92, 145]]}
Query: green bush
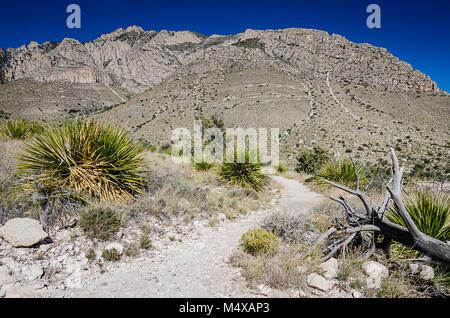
{"points": [[111, 255], [245, 174], [259, 241], [342, 172], [21, 129], [309, 161], [99, 222], [429, 211], [88, 157]]}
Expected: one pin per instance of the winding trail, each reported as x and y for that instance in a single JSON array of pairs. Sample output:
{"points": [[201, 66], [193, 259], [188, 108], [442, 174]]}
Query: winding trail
{"points": [[195, 267]]}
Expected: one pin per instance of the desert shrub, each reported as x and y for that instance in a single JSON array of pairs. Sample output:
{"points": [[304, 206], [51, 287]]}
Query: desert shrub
{"points": [[245, 174], [259, 241], [203, 164], [289, 227], [20, 129], [342, 172], [281, 168], [99, 222], [111, 255], [91, 158], [145, 242], [90, 255], [430, 213], [309, 161]]}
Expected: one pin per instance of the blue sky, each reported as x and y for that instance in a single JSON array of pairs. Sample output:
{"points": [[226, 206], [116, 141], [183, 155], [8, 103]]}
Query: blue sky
{"points": [[414, 31]]}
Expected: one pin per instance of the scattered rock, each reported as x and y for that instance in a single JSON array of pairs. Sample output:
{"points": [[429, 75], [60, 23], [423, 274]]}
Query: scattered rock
{"points": [[376, 272], [356, 294], [22, 232], [426, 272], [319, 282], [117, 246], [6, 278], [414, 268], [330, 268]]}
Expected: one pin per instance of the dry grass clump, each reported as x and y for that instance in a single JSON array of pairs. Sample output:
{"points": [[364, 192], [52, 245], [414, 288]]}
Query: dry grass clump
{"points": [[280, 271]]}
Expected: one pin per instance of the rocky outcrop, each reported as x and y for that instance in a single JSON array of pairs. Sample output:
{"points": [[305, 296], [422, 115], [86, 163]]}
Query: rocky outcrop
{"points": [[136, 60]]}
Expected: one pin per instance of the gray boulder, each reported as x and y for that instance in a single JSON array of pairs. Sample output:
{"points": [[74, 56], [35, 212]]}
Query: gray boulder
{"points": [[22, 232]]}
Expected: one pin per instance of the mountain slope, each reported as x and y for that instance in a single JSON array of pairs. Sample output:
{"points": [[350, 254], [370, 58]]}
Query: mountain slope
{"points": [[317, 88]]}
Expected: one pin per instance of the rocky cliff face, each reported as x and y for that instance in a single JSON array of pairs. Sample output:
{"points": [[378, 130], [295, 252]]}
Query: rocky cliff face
{"points": [[137, 60]]}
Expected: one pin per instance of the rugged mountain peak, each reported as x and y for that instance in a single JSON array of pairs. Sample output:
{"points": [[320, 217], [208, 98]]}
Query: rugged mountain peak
{"points": [[136, 59]]}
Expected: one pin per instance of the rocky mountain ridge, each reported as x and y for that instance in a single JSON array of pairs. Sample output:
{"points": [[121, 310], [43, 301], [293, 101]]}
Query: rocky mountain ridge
{"points": [[136, 60]]}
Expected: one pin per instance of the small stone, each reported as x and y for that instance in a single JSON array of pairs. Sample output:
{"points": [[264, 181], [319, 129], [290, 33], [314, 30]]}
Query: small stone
{"points": [[302, 269], [330, 268], [117, 246], [426, 272], [414, 268], [356, 294], [376, 272], [22, 232], [319, 282]]}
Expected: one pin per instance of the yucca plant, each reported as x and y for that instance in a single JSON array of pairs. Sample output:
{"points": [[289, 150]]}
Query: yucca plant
{"points": [[281, 168], [429, 211], [342, 172], [91, 158], [20, 129], [244, 173], [203, 164]]}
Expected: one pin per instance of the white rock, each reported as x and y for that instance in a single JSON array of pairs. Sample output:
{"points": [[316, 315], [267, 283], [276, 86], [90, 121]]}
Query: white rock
{"points": [[316, 281], [376, 272], [5, 278], [117, 246], [22, 232], [414, 268], [33, 272], [426, 272], [330, 267]]}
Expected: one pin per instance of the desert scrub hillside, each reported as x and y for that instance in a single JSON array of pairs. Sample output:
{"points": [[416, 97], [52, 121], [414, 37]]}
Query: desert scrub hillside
{"points": [[105, 168]]}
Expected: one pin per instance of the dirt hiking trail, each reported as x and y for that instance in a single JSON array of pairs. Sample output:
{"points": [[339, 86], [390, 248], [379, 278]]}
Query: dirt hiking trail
{"points": [[193, 268]]}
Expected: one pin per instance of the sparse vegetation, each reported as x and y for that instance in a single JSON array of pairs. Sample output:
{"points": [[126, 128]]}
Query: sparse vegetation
{"points": [[310, 161], [99, 222]]}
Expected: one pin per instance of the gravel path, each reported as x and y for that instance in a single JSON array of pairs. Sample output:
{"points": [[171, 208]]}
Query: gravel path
{"points": [[195, 267]]}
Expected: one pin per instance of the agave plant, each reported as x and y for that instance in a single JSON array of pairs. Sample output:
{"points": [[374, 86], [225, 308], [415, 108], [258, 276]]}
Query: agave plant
{"points": [[88, 157], [244, 173], [343, 172], [429, 211], [21, 129], [203, 164]]}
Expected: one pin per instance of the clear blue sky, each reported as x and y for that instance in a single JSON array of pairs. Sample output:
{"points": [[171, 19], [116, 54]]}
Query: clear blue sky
{"points": [[415, 31]]}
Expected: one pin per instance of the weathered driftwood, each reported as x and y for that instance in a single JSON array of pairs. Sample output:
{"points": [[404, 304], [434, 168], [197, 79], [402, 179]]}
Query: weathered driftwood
{"points": [[373, 221]]}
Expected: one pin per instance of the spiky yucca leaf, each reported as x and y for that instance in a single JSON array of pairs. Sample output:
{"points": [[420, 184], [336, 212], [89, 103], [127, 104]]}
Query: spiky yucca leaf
{"points": [[20, 129], [429, 211], [342, 172], [89, 157], [246, 173], [203, 164]]}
